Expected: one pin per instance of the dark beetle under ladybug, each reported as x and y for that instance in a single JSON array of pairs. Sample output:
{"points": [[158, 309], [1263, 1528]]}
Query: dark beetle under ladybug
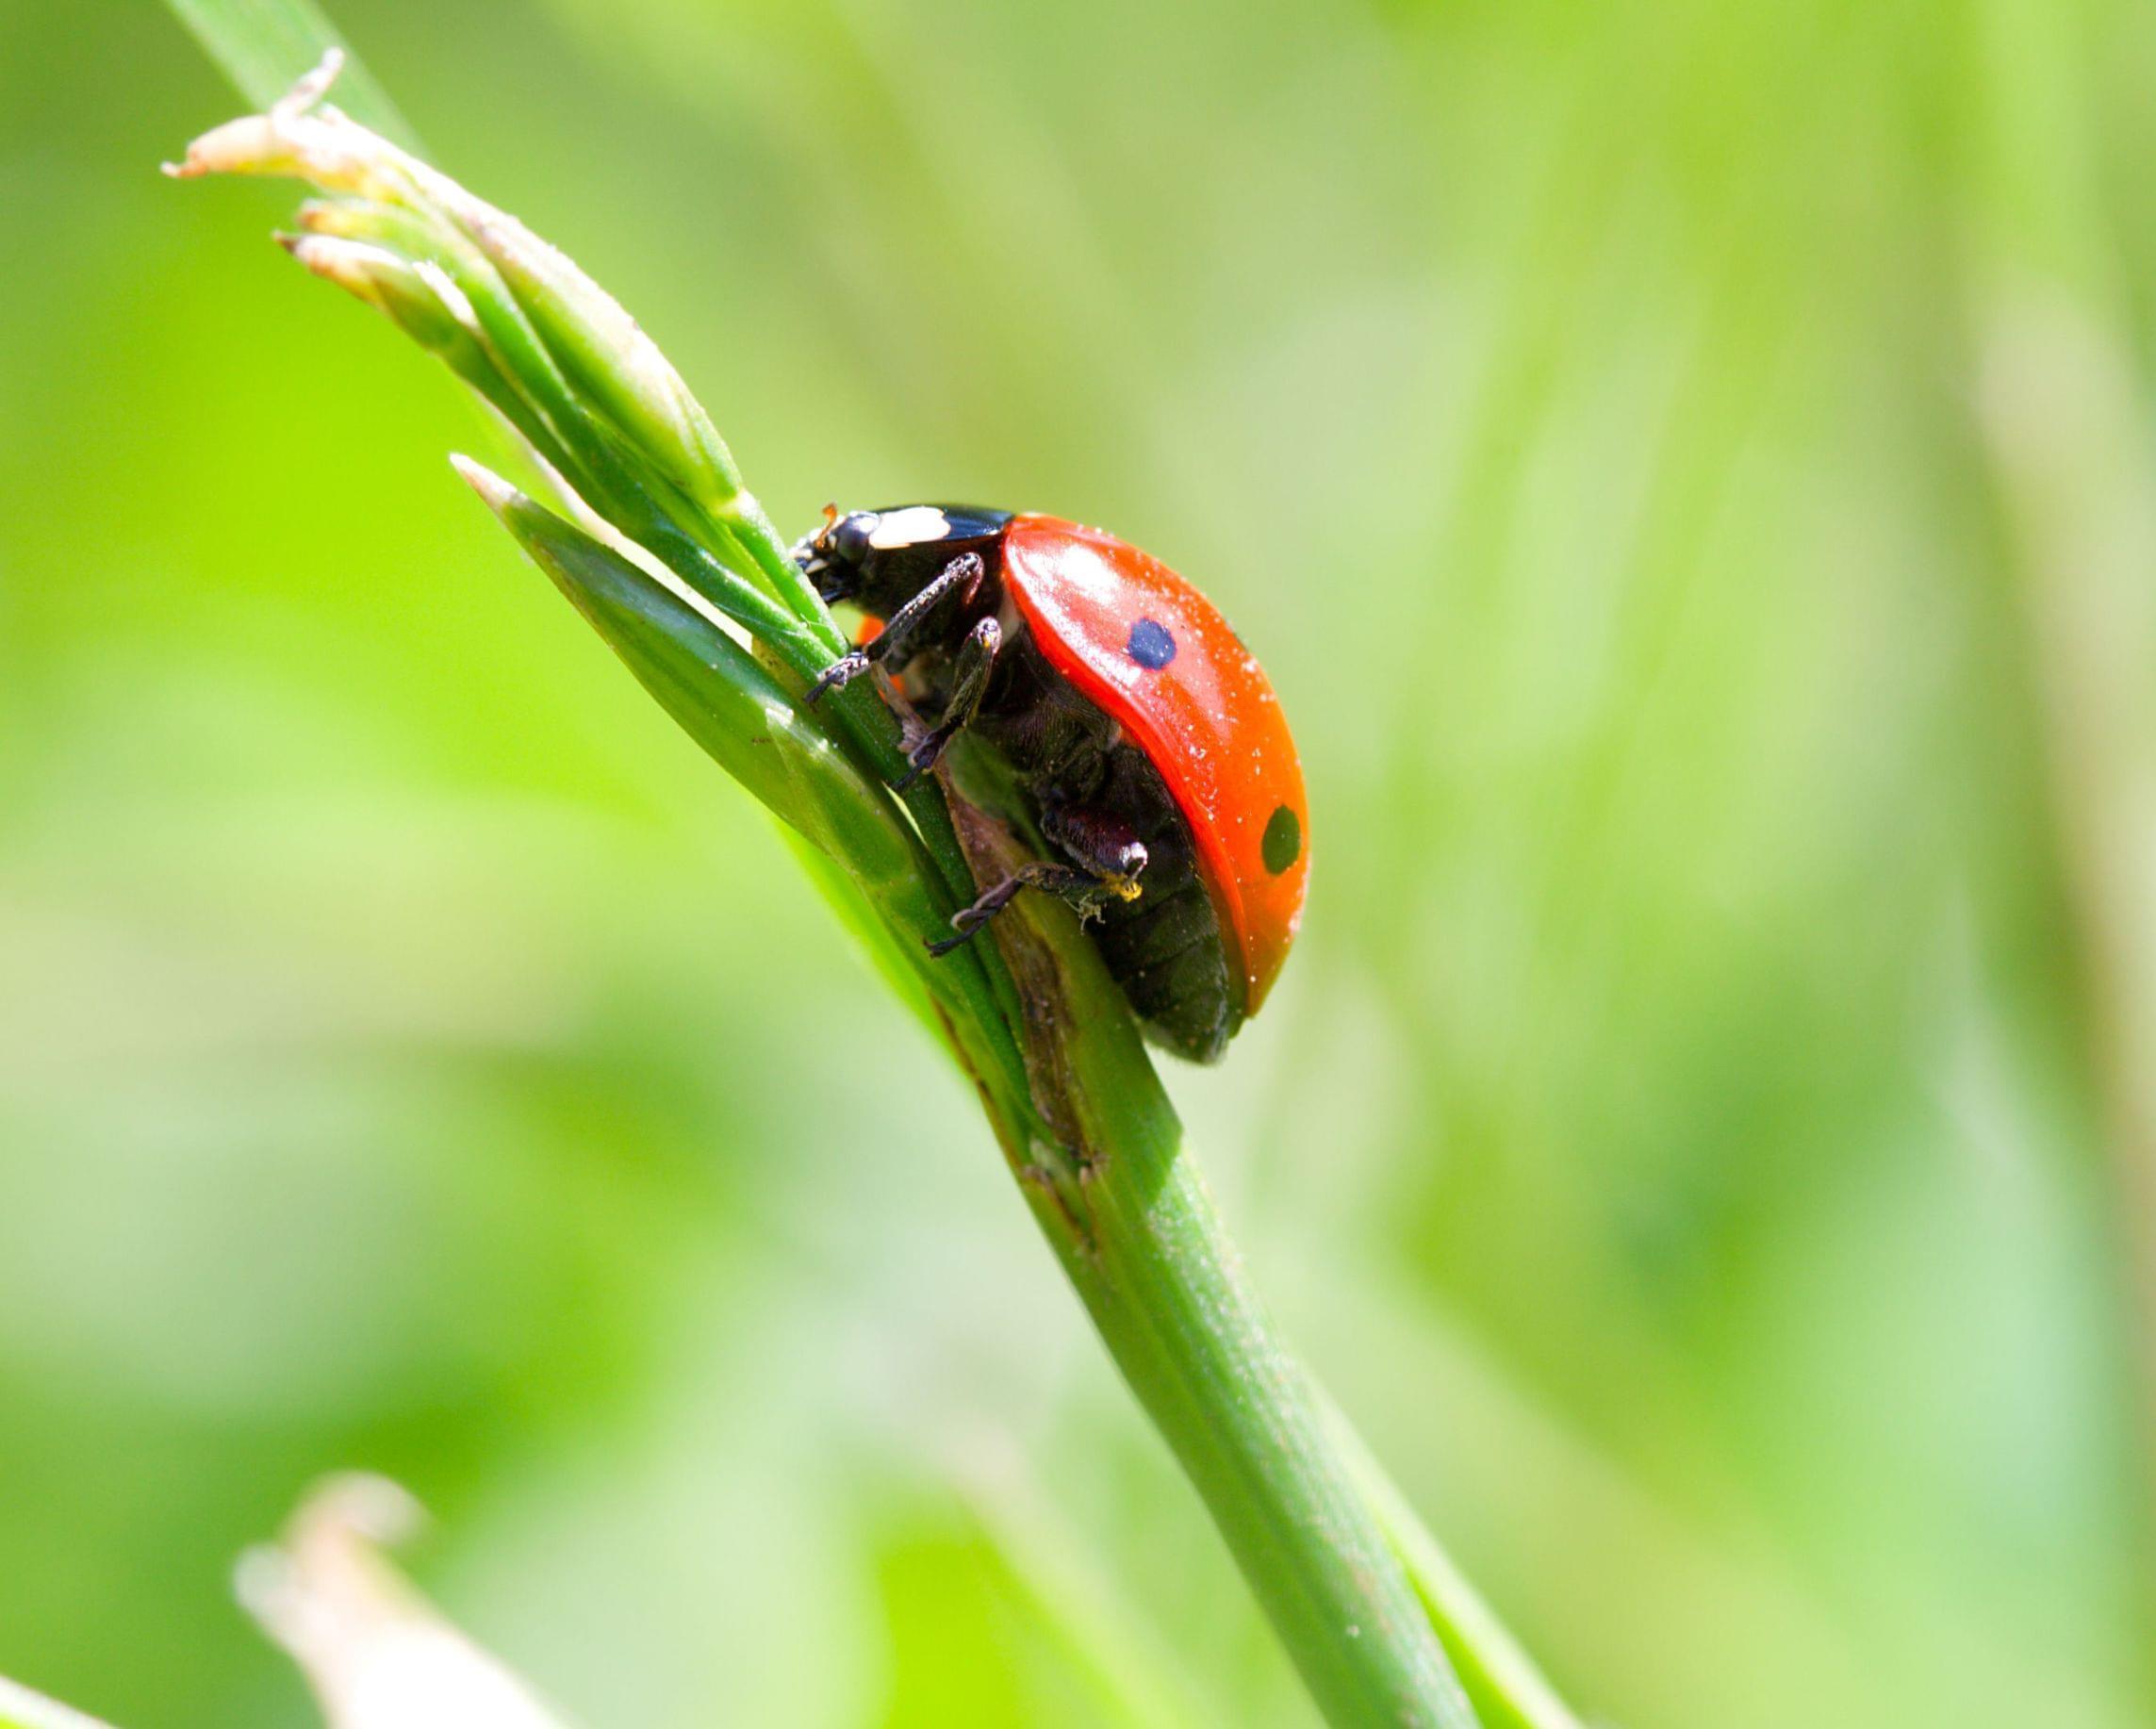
{"points": [[1141, 733]]}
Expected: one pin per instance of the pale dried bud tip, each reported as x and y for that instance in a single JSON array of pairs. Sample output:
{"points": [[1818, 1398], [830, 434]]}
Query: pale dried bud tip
{"points": [[494, 492]]}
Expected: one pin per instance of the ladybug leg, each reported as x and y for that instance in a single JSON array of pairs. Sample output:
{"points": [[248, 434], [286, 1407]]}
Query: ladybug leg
{"points": [[1107, 857], [962, 572], [1066, 881], [976, 661], [1098, 842]]}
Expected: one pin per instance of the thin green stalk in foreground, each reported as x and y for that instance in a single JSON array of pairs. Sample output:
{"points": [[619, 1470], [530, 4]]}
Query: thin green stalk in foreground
{"points": [[662, 550]]}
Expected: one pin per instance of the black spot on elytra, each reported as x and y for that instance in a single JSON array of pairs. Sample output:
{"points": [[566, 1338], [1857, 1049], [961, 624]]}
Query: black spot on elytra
{"points": [[1282, 843], [1150, 645]]}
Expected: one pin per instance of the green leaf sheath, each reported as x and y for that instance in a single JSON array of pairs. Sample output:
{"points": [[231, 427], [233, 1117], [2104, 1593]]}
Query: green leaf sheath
{"points": [[722, 698]]}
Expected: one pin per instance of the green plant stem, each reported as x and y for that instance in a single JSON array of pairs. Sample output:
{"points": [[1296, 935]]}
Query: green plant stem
{"points": [[719, 694], [1168, 1294], [1123, 1205], [1029, 1012], [1097, 1151]]}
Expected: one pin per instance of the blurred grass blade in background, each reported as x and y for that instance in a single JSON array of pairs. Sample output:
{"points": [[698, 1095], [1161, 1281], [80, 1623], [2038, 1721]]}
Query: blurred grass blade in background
{"points": [[2063, 405]]}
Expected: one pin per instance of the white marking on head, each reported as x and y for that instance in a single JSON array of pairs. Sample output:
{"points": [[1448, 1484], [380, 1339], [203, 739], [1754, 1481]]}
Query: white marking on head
{"points": [[912, 526]]}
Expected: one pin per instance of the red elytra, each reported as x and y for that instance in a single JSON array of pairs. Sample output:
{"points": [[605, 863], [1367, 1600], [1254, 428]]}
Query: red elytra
{"points": [[1206, 717]]}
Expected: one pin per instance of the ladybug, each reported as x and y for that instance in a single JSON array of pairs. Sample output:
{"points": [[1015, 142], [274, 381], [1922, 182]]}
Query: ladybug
{"points": [[1139, 734]]}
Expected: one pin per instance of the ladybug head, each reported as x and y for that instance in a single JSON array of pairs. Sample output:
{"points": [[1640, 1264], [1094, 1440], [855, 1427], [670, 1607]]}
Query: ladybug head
{"points": [[833, 557]]}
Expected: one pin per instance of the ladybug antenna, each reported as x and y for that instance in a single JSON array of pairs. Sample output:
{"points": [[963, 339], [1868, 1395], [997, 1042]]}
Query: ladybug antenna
{"points": [[812, 551]]}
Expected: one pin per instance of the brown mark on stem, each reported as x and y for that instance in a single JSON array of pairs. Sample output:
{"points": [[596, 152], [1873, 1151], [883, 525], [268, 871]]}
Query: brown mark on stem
{"points": [[992, 852]]}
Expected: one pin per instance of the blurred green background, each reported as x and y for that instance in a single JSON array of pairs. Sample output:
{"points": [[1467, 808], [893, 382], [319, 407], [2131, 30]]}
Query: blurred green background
{"points": [[1687, 468]]}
